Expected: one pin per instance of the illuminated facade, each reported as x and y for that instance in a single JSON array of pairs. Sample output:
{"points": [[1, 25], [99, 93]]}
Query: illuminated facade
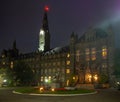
{"points": [[55, 66], [93, 55], [84, 61]]}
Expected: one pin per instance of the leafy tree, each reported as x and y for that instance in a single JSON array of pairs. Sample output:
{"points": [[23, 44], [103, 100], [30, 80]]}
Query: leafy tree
{"points": [[73, 81], [117, 63], [10, 76], [103, 78], [23, 74], [2, 72], [7, 73]]}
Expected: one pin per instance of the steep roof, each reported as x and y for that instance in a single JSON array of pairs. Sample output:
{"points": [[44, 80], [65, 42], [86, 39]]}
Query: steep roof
{"points": [[97, 33], [57, 50]]}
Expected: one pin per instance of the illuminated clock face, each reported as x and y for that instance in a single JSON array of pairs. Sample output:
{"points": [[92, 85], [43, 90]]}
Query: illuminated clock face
{"points": [[42, 32], [42, 40]]}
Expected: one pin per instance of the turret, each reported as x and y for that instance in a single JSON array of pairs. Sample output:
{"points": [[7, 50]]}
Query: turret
{"points": [[73, 40]]}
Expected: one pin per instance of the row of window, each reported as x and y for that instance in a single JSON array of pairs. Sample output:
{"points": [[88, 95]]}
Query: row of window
{"points": [[53, 56], [92, 53], [55, 63], [25, 58], [48, 79], [54, 71]]}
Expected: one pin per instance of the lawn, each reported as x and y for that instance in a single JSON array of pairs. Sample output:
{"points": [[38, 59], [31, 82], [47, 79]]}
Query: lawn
{"points": [[57, 91]]}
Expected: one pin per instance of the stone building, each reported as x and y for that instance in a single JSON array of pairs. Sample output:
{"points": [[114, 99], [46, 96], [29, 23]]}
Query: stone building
{"points": [[93, 55], [54, 66], [88, 59]]}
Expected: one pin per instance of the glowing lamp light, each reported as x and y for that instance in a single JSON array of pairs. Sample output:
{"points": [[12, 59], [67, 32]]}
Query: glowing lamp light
{"points": [[4, 80], [73, 78], [46, 8], [96, 77], [52, 89], [41, 89], [42, 32], [46, 80], [118, 83]]}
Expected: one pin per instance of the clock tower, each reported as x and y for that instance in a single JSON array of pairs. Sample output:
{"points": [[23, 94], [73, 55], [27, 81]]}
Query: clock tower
{"points": [[44, 35]]}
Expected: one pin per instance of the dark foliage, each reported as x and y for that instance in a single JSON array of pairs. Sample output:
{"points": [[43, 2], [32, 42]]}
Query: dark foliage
{"points": [[23, 74]]}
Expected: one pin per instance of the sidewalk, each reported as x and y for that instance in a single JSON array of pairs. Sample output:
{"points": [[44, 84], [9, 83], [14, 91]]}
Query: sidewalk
{"points": [[55, 94]]}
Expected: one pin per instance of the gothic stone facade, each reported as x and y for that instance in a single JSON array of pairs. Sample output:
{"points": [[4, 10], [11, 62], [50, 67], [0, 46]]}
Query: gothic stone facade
{"points": [[93, 56], [86, 60]]}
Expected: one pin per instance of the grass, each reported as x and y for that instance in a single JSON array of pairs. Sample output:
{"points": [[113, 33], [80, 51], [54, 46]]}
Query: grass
{"points": [[37, 91]]}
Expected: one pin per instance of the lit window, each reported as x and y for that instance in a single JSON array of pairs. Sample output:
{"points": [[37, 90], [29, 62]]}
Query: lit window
{"points": [[67, 82], [46, 79], [93, 51], [67, 71], [41, 78], [3, 63], [11, 65], [104, 52], [68, 62], [93, 54], [49, 77], [68, 55], [87, 52], [95, 77]]}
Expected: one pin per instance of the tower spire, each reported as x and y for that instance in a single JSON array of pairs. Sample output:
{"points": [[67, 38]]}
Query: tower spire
{"points": [[45, 19], [14, 44], [44, 36]]}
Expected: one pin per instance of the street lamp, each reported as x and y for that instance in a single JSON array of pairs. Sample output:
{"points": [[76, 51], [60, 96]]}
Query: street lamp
{"points": [[89, 77], [4, 80], [46, 80], [95, 77]]}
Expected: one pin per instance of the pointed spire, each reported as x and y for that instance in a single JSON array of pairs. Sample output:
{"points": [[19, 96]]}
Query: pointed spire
{"points": [[73, 34], [45, 19], [44, 35], [14, 44]]}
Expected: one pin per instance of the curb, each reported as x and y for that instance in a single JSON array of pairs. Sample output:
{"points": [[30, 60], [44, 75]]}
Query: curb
{"points": [[55, 94]]}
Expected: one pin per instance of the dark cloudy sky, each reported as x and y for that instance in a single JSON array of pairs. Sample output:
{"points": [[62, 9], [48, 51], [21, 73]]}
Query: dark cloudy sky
{"points": [[21, 20]]}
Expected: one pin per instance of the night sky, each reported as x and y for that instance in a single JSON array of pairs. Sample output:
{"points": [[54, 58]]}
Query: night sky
{"points": [[21, 20]]}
